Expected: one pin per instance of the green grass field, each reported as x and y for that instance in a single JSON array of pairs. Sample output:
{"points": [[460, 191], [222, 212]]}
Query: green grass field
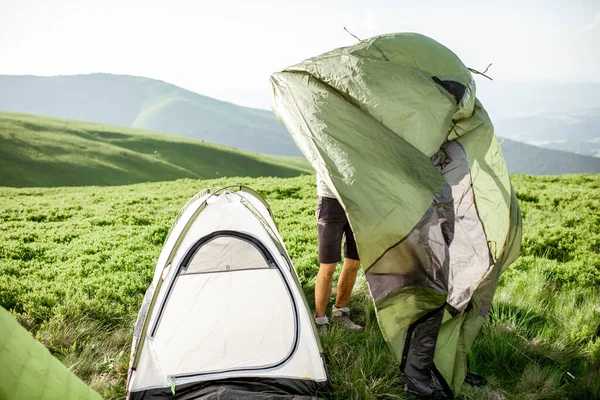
{"points": [[75, 262], [43, 151]]}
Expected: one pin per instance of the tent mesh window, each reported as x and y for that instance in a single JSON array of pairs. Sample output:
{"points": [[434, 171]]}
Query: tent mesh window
{"points": [[226, 253]]}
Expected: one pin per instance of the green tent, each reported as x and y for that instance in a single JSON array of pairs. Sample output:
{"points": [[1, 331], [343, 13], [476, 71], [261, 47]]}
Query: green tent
{"points": [[394, 127], [29, 371]]}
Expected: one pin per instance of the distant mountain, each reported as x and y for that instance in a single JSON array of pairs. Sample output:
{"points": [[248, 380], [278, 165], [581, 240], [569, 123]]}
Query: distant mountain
{"points": [[576, 131], [44, 151], [580, 125], [533, 160], [505, 100], [589, 148], [562, 116], [146, 104]]}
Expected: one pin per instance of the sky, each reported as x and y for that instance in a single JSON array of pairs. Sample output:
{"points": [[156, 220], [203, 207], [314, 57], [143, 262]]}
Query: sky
{"points": [[228, 49]]}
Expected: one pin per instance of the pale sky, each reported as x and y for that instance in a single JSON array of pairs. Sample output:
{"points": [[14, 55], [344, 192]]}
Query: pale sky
{"points": [[228, 49]]}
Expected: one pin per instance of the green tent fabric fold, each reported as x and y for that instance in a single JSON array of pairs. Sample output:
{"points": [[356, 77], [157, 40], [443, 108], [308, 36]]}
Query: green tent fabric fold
{"points": [[29, 371], [393, 126]]}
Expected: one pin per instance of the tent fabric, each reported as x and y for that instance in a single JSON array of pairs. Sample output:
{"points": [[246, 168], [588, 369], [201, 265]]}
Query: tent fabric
{"points": [[393, 126], [29, 371], [469, 249], [225, 303]]}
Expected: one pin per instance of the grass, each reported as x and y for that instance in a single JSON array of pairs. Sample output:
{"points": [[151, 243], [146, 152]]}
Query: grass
{"points": [[42, 151], [75, 262]]}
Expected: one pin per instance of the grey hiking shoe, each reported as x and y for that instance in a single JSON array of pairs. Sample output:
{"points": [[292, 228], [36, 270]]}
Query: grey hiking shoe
{"points": [[342, 317], [322, 325]]}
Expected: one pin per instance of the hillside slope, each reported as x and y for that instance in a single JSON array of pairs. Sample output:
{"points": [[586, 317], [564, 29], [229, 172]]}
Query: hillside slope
{"points": [[146, 104], [43, 151]]}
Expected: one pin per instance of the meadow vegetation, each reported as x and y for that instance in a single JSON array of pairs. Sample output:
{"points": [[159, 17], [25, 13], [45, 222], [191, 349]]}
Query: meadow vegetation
{"points": [[75, 263]]}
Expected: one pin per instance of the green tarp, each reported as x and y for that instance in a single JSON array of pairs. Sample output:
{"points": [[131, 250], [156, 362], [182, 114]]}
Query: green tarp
{"points": [[393, 126], [29, 371]]}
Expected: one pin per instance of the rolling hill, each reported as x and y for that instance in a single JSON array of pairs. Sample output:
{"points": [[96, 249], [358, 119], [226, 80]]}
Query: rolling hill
{"points": [[527, 111], [144, 103], [155, 105], [44, 151]]}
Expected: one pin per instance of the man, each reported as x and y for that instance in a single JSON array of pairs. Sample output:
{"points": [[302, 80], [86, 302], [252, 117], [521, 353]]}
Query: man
{"points": [[332, 226]]}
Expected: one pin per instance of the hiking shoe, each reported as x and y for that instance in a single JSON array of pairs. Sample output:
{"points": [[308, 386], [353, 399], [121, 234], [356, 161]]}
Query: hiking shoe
{"points": [[342, 317], [322, 325], [475, 380]]}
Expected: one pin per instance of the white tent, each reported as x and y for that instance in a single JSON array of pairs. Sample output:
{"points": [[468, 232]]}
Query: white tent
{"points": [[225, 316]]}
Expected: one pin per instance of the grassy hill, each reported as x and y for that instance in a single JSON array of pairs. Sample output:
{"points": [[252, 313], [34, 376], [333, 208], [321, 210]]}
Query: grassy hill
{"points": [[75, 262], [150, 104], [43, 151], [144, 103]]}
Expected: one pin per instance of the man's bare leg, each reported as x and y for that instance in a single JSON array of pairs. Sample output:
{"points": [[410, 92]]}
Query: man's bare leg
{"points": [[340, 311], [323, 288], [346, 282]]}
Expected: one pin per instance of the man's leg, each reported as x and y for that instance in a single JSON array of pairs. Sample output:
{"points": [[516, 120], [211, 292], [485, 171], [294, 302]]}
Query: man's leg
{"points": [[346, 282], [323, 288], [330, 227]]}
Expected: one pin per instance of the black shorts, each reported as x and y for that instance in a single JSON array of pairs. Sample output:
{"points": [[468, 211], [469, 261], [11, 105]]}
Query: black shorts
{"points": [[332, 225]]}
